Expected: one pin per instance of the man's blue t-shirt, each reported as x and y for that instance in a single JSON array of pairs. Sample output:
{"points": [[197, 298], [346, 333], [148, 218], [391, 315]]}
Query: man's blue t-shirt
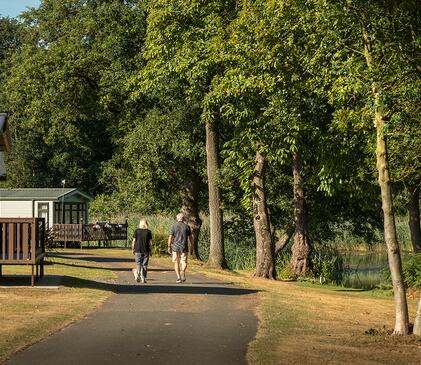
{"points": [[180, 231]]}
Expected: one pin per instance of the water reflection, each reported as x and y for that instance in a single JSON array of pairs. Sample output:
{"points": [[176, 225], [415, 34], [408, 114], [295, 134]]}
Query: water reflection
{"points": [[363, 270]]}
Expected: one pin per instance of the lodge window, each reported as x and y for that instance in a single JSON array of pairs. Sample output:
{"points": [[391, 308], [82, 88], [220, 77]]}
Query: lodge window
{"points": [[74, 213]]}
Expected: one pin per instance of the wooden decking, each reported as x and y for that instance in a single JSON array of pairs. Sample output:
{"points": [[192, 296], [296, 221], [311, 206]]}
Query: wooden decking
{"points": [[22, 242]]}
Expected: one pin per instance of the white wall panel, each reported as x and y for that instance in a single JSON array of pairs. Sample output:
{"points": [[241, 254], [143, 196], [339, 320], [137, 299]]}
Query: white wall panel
{"points": [[16, 208]]}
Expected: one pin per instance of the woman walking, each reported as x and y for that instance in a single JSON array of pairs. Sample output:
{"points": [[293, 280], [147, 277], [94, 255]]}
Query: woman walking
{"points": [[141, 248]]}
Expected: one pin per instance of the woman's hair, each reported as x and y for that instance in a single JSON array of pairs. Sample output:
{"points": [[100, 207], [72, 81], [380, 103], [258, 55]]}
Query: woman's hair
{"points": [[179, 217], [143, 223]]}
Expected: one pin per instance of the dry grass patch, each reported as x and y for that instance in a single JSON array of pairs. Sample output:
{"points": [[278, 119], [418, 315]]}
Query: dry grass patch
{"points": [[28, 315], [312, 324]]}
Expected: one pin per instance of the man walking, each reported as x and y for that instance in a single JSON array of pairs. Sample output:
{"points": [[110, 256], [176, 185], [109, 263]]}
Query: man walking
{"points": [[178, 240]]}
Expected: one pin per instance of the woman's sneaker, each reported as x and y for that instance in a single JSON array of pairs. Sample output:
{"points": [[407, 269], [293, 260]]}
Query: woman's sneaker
{"points": [[136, 275], [178, 281]]}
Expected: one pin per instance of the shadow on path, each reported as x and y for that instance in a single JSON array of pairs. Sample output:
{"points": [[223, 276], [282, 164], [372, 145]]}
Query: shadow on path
{"points": [[195, 288], [89, 257]]}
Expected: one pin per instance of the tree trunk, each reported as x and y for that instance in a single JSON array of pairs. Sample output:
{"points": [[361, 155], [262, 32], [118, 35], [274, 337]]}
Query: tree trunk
{"points": [[417, 323], [414, 217], [264, 246], [393, 251], [284, 239], [190, 211], [216, 251], [301, 249]]}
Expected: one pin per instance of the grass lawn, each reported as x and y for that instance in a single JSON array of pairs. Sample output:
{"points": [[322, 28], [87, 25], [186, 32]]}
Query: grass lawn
{"points": [[303, 323], [29, 314], [300, 323]]}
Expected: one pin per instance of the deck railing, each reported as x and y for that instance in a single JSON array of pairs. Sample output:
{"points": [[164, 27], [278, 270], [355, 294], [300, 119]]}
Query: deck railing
{"points": [[21, 239], [22, 242], [89, 232]]}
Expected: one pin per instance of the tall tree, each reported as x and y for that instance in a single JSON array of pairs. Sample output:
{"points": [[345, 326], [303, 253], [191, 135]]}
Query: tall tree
{"points": [[9, 42], [159, 165], [265, 265], [65, 91], [182, 42], [369, 45]]}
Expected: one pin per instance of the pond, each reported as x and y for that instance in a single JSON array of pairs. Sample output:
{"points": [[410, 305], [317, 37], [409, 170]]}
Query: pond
{"points": [[363, 270]]}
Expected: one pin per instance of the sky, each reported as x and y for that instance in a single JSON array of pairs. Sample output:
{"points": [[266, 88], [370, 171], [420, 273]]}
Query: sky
{"points": [[12, 8]]}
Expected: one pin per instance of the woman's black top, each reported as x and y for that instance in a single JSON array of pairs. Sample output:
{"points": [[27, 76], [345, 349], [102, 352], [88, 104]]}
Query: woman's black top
{"points": [[142, 238]]}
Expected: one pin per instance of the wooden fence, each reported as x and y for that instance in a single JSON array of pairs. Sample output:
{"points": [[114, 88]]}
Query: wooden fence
{"points": [[89, 232], [22, 242]]}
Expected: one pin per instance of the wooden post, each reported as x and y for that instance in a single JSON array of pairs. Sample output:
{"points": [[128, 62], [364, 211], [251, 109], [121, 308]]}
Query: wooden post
{"points": [[32, 276], [42, 268]]}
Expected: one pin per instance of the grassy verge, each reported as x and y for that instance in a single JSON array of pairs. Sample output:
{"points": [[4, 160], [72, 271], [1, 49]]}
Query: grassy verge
{"points": [[303, 323], [298, 322], [28, 315]]}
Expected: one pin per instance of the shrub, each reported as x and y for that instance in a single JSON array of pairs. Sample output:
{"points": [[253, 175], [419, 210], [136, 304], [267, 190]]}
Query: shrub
{"points": [[412, 271], [159, 244], [327, 263], [282, 265], [411, 267]]}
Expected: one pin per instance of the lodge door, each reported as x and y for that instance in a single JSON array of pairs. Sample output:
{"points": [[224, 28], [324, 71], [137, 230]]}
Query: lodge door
{"points": [[44, 212]]}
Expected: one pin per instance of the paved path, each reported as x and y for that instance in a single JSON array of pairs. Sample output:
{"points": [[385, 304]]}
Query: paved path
{"points": [[199, 322]]}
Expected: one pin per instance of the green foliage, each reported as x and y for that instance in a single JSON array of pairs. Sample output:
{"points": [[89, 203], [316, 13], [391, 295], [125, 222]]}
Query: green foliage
{"points": [[283, 266], [240, 251], [65, 90], [155, 159], [411, 266], [412, 271], [9, 43], [326, 260], [327, 263], [112, 95]]}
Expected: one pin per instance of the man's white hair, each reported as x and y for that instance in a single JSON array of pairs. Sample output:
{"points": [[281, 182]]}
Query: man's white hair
{"points": [[179, 217]]}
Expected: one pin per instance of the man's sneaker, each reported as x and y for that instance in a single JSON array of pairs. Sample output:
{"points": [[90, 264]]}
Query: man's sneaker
{"points": [[143, 280], [178, 281], [183, 277]]}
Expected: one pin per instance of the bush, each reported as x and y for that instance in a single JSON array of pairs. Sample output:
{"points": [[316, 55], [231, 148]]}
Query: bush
{"points": [[412, 271], [282, 265], [411, 267], [327, 263], [240, 252], [159, 244]]}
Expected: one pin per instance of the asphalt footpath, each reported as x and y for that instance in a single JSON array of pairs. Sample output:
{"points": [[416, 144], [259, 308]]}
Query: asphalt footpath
{"points": [[201, 321]]}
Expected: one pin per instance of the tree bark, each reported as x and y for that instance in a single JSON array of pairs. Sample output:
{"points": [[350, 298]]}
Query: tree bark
{"points": [[216, 251], [414, 217], [264, 247], [285, 237], [301, 249], [393, 251], [417, 323], [190, 210]]}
